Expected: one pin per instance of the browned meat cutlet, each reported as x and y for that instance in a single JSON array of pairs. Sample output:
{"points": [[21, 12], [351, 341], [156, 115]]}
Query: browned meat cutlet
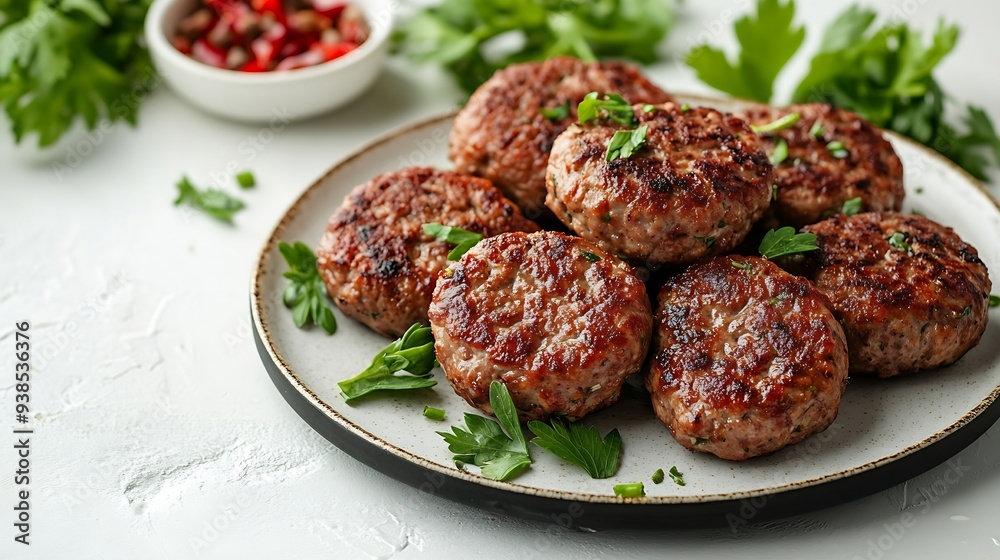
{"points": [[818, 176], [502, 135], [692, 191], [746, 358], [378, 264], [916, 303], [555, 318]]}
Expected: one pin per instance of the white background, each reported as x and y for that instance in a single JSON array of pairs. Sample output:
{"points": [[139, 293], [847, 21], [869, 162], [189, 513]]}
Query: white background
{"points": [[159, 434]]}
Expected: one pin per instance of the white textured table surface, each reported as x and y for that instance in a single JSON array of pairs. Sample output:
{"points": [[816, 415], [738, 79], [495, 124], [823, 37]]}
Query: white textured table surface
{"points": [[159, 435]]}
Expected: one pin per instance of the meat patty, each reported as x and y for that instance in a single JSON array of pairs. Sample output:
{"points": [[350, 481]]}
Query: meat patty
{"points": [[378, 264], [555, 318], [748, 358], [814, 180], [693, 190], [502, 135], [908, 302]]}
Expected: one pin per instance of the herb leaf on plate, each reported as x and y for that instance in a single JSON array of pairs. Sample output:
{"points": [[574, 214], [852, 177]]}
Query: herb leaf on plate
{"points": [[625, 143], [767, 41], [213, 202], [412, 353], [497, 448], [580, 445], [462, 239], [306, 293], [785, 241], [611, 106]]}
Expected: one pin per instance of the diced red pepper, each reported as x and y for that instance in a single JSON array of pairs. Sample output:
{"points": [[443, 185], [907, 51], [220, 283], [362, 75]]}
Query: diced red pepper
{"points": [[335, 50], [252, 66], [329, 8]]}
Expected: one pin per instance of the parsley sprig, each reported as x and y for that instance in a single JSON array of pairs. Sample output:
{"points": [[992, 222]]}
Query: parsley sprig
{"points": [[851, 207], [214, 202], [462, 239], [611, 106], [885, 74], [557, 113], [497, 448], [305, 295], [69, 60], [457, 33], [785, 241], [580, 445], [625, 143], [412, 353]]}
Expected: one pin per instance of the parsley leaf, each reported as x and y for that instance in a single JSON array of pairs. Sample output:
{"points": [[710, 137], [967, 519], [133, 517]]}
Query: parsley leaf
{"points": [[898, 240], [767, 42], [61, 61], [580, 445], [590, 257], [213, 202], [851, 207], [630, 490], [778, 124], [457, 33], [613, 107], [497, 448], [462, 239], [657, 477], [780, 152], [557, 113], [785, 241], [625, 143], [994, 300], [306, 292], [245, 179], [676, 476], [412, 353]]}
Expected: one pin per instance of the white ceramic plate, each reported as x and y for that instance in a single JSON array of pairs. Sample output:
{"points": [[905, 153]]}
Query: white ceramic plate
{"points": [[887, 430]]}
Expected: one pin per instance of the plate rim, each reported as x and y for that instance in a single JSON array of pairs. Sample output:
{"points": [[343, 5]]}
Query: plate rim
{"points": [[267, 346]]}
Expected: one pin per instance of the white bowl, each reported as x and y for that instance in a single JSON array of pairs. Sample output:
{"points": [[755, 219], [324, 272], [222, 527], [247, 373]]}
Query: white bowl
{"points": [[261, 96]]}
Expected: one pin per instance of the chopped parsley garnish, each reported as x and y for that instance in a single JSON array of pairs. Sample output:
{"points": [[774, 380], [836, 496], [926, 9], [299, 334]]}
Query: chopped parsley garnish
{"points": [[780, 153], [412, 353], [657, 477], [965, 311], [245, 179], [434, 413], [557, 113], [851, 207], [685, 108], [816, 130], [785, 241], [625, 143], [497, 448], [648, 108], [676, 476], [779, 124], [590, 257], [774, 192], [462, 239], [741, 265], [898, 240], [837, 149], [721, 224], [994, 300], [214, 202], [630, 490], [612, 106], [306, 294], [580, 445], [707, 241]]}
